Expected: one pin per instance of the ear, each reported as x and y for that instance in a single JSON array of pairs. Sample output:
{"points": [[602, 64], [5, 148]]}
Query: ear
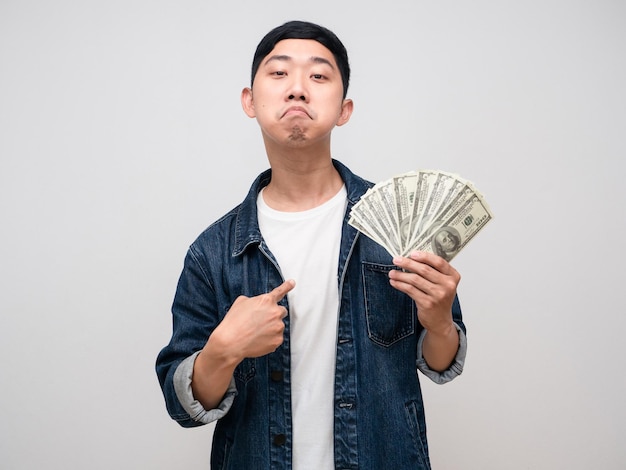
{"points": [[346, 111], [247, 102]]}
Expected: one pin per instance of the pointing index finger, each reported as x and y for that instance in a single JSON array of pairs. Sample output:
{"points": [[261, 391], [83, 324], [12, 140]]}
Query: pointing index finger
{"points": [[281, 291]]}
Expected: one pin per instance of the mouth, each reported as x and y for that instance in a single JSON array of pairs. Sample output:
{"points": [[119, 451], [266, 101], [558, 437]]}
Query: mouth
{"points": [[296, 111]]}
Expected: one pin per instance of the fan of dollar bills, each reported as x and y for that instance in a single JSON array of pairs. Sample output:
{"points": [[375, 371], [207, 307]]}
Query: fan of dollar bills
{"points": [[425, 210]]}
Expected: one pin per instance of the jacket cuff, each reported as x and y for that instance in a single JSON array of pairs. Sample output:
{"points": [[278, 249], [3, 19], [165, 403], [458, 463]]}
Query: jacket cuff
{"points": [[184, 393], [455, 369]]}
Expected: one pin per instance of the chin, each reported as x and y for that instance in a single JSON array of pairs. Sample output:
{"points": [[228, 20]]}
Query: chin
{"points": [[297, 135]]}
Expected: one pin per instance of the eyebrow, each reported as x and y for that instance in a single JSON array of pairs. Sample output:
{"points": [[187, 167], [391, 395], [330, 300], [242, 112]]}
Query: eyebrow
{"points": [[286, 58]]}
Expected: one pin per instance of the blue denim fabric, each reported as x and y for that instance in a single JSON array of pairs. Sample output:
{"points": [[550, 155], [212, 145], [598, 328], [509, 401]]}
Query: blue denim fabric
{"points": [[379, 414]]}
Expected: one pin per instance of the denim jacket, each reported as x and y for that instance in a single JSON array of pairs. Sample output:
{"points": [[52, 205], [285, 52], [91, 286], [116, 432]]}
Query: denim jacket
{"points": [[379, 416]]}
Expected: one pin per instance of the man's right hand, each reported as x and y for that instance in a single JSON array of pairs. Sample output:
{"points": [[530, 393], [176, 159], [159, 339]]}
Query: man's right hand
{"points": [[253, 326]]}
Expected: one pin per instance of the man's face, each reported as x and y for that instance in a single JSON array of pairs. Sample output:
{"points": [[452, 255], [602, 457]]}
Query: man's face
{"points": [[297, 94], [445, 241]]}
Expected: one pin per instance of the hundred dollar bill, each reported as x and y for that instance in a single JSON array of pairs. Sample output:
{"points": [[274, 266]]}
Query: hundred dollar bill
{"points": [[367, 231], [384, 202], [405, 192], [368, 217], [456, 184], [461, 193], [439, 187], [423, 189], [456, 231]]}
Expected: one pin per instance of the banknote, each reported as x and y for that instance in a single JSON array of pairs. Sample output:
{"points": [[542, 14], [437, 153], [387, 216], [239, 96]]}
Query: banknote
{"points": [[451, 235], [426, 210]]}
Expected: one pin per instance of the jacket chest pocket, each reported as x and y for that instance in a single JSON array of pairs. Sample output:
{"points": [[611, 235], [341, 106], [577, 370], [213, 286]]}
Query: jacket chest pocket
{"points": [[390, 314]]}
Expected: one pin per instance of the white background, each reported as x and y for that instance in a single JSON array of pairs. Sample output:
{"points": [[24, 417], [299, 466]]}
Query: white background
{"points": [[122, 137]]}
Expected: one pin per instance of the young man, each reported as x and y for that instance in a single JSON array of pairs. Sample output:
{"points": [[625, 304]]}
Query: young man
{"points": [[299, 336]]}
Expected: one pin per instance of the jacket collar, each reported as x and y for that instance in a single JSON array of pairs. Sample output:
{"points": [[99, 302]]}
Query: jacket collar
{"points": [[247, 230]]}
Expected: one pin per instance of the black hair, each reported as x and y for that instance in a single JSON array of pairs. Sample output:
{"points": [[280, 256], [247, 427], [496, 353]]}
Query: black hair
{"points": [[304, 30]]}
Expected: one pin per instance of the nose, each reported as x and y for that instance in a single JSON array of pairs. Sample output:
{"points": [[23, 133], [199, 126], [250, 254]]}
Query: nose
{"points": [[301, 97], [297, 89]]}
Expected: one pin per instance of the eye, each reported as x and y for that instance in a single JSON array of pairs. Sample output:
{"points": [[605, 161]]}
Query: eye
{"points": [[279, 73], [318, 76]]}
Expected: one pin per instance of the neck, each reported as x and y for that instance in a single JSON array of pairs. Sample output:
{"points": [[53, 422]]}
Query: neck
{"points": [[301, 181]]}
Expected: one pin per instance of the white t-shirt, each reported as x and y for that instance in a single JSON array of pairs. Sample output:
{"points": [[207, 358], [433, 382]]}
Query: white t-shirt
{"points": [[306, 246]]}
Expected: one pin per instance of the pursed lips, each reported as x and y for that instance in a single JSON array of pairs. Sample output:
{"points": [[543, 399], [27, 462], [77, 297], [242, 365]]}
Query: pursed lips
{"points": [[296, 110]]}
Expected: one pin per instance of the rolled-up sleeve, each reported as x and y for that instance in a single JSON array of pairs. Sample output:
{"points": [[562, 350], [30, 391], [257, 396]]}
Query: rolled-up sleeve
{"points": [[182, 386], [455, 369]]}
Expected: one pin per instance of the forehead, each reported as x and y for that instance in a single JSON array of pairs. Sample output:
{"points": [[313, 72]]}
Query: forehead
{"points": [[301, 50]]}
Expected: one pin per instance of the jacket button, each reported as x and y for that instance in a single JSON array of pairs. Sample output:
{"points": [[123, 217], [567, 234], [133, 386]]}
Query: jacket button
{"points": [[276, 375], [280, 439]]}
